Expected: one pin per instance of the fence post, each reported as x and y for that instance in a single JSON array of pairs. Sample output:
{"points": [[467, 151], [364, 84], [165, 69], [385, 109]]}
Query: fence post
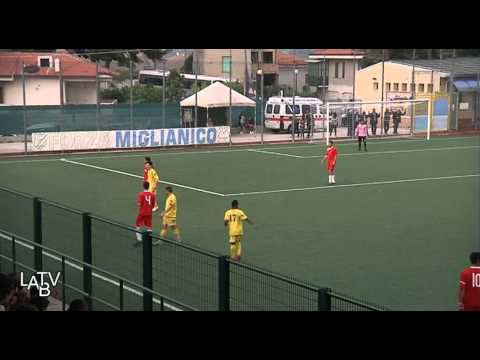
{"points": [[147, 270], [223, 283], [87, 256], [37, 233], [324, 300]]}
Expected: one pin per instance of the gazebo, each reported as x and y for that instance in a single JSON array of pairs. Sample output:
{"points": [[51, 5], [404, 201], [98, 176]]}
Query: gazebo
{"points": [[217, 97]]}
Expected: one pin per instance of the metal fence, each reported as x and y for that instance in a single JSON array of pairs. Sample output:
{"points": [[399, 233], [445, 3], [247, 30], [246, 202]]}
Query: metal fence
{"points": [[102, 260]]}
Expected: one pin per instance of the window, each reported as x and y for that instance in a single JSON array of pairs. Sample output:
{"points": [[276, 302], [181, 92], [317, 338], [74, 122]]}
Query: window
{"points": [[226, 64], [276, 109], [269, 109], [404, 87], [395, 87], [430, 88], [268, 57], [44, 61], [305, 108], [340, 74], [387, 86], [375, 85], [254, 57], [421, 87], [288, 109]]}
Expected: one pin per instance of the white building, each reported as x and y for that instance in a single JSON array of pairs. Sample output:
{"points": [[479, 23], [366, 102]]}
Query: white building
{"points": [[332, 72], [47, 76]]}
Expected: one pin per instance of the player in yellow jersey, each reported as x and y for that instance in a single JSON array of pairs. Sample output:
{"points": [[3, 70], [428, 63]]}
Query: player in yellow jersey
{"points": [[153, 179], [234, 219], [169, 215]]}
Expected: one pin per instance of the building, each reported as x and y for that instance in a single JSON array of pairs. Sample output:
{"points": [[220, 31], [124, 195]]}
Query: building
{"points": [[431, 77], [287, 64], [332, 71], [47, 77], [219, 63], [267, 61]]}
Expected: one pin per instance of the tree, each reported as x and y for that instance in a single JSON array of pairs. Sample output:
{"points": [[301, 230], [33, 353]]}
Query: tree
{"points": [[174, 89], [187, 67], [236, 85], [122, 56]]}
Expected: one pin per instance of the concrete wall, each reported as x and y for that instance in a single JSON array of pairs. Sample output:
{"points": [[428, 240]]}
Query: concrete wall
{"points": [[210, 62], [286, 76], [42, 91], [80, 92], [338, 87], [39, 91], [393, 74]]}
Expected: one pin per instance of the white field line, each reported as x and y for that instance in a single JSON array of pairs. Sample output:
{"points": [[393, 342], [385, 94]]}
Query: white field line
{"points": [[397, 151], [140, 177], [94, 274], [193, 152], [275, 153], [332, 187]]}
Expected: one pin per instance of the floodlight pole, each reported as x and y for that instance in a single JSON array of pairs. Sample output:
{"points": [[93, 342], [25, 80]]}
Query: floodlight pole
{"points": [[295, 71], [413, 88], [24, 109], [230, 98], [382, 123], [164, 84]]}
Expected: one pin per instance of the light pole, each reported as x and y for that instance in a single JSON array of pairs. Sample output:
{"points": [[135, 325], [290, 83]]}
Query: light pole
{"points": [[295, 74], [260, 73]]}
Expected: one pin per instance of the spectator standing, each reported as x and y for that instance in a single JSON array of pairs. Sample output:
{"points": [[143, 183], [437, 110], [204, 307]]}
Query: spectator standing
{"points": [[242, 121], [397, 118], [386, 121], [374, 121], [333, 124]]}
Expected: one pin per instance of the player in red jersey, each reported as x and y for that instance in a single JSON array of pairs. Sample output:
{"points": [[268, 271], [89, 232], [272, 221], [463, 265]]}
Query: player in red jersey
{"points": [[331, 157], [146, 202], [470, 285]]}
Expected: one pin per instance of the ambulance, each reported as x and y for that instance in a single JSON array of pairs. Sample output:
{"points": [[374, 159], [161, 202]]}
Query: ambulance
{"points": [[279, 112]]}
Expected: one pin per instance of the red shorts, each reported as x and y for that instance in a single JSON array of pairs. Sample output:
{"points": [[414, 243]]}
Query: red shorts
{"points": [[330, 167], [144, 220]]}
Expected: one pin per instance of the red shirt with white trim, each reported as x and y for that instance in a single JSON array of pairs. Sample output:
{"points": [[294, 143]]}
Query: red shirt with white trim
{"points": [[147, 201], [331, 154], [470, 282]]}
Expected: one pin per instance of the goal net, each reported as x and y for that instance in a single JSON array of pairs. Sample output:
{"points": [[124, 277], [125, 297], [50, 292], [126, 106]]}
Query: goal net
{"points": [[400, 118]]}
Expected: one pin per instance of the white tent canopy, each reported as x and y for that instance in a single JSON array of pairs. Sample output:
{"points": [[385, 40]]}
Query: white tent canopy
{"points": [[217, 95]]}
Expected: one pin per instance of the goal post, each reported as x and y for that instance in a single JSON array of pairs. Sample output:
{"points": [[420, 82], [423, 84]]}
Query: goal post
{"points": [[393, 117]]}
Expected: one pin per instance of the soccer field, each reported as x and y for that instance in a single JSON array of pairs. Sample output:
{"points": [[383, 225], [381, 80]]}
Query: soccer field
{"points": [[396, 229]]}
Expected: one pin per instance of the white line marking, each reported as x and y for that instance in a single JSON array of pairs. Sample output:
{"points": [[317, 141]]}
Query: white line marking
{"points": [[94, 274], [140, 177], [275, 153], [398, 151], [331, 187], [152, 153]]}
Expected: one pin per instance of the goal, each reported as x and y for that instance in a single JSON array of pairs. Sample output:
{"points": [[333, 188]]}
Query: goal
{"points": [[400, 118]]}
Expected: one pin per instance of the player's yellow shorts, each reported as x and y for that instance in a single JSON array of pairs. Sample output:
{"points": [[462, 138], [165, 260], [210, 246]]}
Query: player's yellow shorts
{"points": [[235, 239], [169, 221]]}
